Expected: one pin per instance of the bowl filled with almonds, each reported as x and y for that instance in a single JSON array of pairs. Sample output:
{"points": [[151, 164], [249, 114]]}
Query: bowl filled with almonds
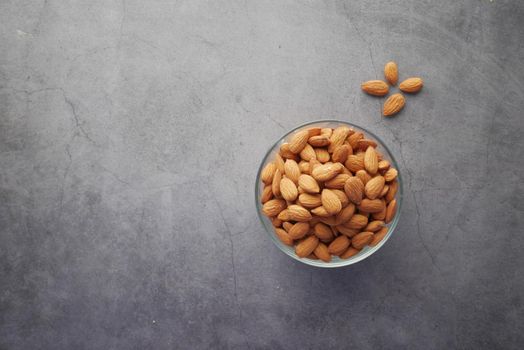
{"points": [[329, 193]]}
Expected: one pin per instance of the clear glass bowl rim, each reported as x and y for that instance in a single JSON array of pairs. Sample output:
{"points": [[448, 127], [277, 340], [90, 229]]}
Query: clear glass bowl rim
{"points": [[368, 251]]}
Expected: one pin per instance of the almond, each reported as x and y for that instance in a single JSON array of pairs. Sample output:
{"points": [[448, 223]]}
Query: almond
{"points": [[304, 167], [391, 73], [306, 246], [313, 163], [309, 201], [383, 165], [349, 253], [385, 190], [338, 137], [287, 225], [298, 230], [374, 226], [393, 188], [326, 132], [391, 174], [322, 252], [411, 85], [362, 239], [298, 213], [286, 153], [312, 256], [354, 189], [375, 87], [308, 183], [267, 194], [341, 153], [267, 173], [314, 131], [342, 196], [363, 144], [320, 211], [393, 104], [322, 155], [328, 220], [323, 232], [276, 222], [319, 141], [279, 163], [337, 182], [307, 153], [363, 176], [371, 205], [379, 236], [374, 187], [371, 160], [380, 215], [292, 170], [350, 232], [284, 237], [275, 187], [355, 163], [284, 215], [273, 207], [339, 245], [354, 138], [357, 222], [391, 211], [288, 189], [298, 141], [330, 202], [326, 172], [345, 214]]}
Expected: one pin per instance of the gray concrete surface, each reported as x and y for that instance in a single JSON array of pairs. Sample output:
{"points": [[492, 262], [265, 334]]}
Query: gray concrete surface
{"points": [[131, 132]]}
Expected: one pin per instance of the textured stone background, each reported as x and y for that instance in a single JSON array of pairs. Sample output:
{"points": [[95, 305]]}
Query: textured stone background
{"points": [[130, 136]]}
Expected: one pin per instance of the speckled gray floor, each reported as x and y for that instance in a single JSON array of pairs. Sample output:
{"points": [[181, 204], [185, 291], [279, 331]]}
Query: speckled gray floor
{"points": [[130, 136]]}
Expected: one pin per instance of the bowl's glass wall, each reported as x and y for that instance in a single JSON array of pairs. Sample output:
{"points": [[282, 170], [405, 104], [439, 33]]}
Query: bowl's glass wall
{"points": [[335, 262]]}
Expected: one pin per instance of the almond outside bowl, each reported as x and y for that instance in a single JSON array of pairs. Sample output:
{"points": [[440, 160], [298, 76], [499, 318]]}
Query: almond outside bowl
{"points": [[335, 261]]}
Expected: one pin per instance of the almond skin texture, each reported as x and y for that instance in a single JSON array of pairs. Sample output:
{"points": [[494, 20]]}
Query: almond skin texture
{"points": [[383, 165], [374, 187], [287, 226], [307, 153], [393, 188], [304, 167], [326, 132], [342, 196], [329, 220], [322, 252], [354, 189], [306, 246], [365, 143], [309, 201], [349, 253], [284, 215], [322, 155], [371, 205], [361, 239], [337, 182], [363, 176], [286, 153], [326, 172], [385, 190], [338, 137], [298, 213], [319, 141], [354, 139], [288, 189], [331, 202], [273, 207], [391, 211], [391, 174], [380, 215], [341, 153], [284, 236], [275, 186], [357, 222], [323, 232], [267, 173], [355, 163], [345, 214], [315, 131], [320, 211], [292, 170], [375, 87], [339, 245], [371, 161], [298, 230], [391, 73], [379, 236], [276, 222], [279, 163], [308, 184], [298, 141], [374, 226], [411, 85], [350, 232], [393, 105], [267, 194]]}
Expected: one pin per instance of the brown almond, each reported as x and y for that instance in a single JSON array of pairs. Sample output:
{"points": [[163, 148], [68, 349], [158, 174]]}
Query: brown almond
{"points": [[391, 73], [341, 153], [393, 104], [304, 167], [380, 215], [363, 176], [292, 170], [309, 201], [375, 87], [322, 155], [322, 252], [299, 230], [298, 141], [267, 173], [276, 222], [374, 187], [326, 172], [385, 190], [371, 205], [320, 211], [383, 165], [273, 207], [306, 246], [307, 153], [379, 236], [330, 202], [298, 213], [287, 225], [319, 141], [342, 196], [323, 232], [363, 144], [357, 222], [314, 131], [339, 245], [328, 220], [391, 174], [279, 163], [349, 253], [286, 153], [354, 139], [326, 132], [354, 189], [371, 161], [391, 211], [411, 85], [350, 232], [284, 236], [354, 163], [308, 183], [392, 192], [337, 182], [338, 137], [275, 186], [267, 194], [374, 226], [362, 239], [284, 215], [288, 189], [312, 256], [345, 214]]}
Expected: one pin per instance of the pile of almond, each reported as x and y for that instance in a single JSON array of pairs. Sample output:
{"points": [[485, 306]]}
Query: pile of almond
{"points": [[329, 192]]}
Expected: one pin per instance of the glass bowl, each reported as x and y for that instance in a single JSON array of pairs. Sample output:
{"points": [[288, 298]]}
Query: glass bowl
{"points": [[335, 261]]}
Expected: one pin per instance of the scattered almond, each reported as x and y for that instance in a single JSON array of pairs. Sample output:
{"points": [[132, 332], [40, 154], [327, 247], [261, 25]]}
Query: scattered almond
{"points": [[411, 85], [391, 72], [393, 104], [375, 87]]}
